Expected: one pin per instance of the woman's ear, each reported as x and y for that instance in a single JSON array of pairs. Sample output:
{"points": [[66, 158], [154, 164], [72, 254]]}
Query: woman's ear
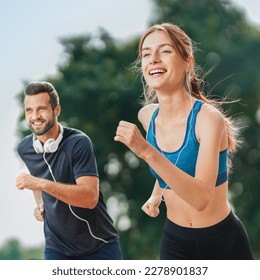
{"points": [[190, 62]]}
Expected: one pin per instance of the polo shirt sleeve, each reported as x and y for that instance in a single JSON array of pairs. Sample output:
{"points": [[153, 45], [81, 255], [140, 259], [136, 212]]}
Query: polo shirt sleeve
{"points": [[83, 158]]}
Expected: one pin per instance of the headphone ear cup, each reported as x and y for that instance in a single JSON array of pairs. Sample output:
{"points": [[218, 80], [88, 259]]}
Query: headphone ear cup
{"points": [[37, 145], [50, 146]]}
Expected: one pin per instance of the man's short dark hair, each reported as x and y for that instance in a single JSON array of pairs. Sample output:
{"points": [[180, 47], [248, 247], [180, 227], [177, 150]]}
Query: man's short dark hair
{"points": [[34, 88]]}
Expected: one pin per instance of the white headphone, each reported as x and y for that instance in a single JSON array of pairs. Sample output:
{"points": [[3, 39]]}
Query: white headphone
{"points": [[50, 146]]}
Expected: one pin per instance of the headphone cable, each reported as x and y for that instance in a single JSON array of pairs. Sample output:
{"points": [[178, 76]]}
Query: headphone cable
{"points": [[84, 220]]}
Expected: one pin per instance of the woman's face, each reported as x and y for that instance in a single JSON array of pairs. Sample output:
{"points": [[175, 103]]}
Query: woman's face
{"points": [[162, 66]]}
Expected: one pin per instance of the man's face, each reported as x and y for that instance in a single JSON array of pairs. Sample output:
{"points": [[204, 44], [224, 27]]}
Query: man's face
{"points": [[39, 114]]}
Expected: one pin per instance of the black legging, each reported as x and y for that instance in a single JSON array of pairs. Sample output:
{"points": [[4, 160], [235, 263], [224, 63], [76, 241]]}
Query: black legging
{"points": [[226, 240]]}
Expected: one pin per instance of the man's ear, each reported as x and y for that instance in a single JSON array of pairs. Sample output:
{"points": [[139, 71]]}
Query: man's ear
{"points": [[57, 110]]}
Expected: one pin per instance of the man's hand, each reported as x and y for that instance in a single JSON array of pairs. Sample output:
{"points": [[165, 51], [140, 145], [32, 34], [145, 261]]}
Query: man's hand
{"points": [[39, 213], [27, 181]]}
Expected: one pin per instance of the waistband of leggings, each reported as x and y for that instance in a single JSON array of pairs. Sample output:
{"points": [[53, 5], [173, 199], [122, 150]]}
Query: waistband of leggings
{"points": [[210, 232]]}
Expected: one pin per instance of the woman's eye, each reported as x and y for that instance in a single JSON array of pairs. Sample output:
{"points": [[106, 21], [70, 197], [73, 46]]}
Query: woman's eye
{"points": [[145, 54], [166, 51]]}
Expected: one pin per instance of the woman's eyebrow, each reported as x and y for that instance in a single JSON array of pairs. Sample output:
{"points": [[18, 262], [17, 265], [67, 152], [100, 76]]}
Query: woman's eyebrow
{"points": [[161, 45]]}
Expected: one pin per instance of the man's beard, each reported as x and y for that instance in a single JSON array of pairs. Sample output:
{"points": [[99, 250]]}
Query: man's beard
{"points": [[45, 129]]}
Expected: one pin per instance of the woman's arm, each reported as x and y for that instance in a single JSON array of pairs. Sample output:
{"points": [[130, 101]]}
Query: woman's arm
{"points": [[151, 206], [196, 191]]}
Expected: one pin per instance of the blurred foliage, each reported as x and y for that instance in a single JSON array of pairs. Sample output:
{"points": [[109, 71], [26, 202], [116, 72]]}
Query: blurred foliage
{"points": [[13, 250], [98, 89], [226, 42]]}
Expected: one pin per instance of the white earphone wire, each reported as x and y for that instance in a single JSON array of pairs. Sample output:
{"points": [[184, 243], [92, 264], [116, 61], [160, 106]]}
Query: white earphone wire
{"points": [[188, 135], [73, 213]]}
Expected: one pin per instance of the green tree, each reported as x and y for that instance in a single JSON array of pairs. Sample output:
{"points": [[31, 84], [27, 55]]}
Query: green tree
{"points": [[13, 250], [97, 90], [231, 45]]}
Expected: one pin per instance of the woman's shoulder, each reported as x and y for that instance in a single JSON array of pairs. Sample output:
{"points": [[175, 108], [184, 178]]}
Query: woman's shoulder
{"points": [[211, 111], [145, 114], [210, 115]]}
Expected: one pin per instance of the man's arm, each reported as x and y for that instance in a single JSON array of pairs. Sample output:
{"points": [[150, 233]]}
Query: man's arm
{"points": [[84, 193], [39, 210]]}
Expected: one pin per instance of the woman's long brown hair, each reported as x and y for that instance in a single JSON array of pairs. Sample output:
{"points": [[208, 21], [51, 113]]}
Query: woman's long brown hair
{"points": [[185, 47]]}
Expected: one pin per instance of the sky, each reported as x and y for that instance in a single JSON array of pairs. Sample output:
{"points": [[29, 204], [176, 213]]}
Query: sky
{"points": [[30, 50]]}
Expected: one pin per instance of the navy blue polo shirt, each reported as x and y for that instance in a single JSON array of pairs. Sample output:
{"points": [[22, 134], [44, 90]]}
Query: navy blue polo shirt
{"points": [[74, 158]]}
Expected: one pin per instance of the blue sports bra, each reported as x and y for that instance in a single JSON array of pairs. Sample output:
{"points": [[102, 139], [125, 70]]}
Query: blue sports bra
{"points": [[186, 156]]}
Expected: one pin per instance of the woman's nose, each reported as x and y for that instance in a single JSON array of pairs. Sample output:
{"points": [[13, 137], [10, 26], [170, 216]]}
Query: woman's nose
{"points": [[154, 58]]}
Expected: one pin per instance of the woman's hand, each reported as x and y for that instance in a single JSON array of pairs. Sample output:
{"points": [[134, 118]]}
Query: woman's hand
{"points": [[151, 206], [129, 134]]}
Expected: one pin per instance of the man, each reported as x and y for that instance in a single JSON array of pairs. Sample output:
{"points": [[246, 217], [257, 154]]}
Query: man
{"points": [[64, 179]]}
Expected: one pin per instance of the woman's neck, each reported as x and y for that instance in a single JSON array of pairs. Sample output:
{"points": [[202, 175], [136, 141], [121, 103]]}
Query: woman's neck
{"points": [[174, 106]]}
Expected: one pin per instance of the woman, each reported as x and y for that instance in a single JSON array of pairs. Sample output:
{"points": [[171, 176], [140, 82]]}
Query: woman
{"points": [[187, 147]]}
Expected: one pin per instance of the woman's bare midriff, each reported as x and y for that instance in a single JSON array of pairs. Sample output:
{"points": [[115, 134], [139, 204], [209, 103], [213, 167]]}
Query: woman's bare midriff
{"points": [[181, 213]]}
